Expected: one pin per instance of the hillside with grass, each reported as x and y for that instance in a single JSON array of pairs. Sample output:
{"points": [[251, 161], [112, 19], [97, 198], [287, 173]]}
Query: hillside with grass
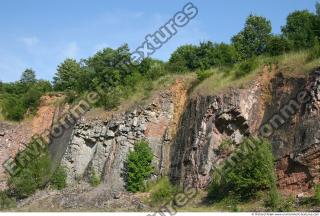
{"points": [[161, 126]]}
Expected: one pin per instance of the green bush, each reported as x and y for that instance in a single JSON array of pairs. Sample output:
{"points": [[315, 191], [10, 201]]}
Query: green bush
{"points": [[225, 145], [277, 203], [253, 171], [288, 205], [6, 202], [314, 53], [162, 190], [273, 200], [12, 108], [138, 166], [278, 45], [202, 75], [94, 179], [245, 67], [22, 97], [58, 179], [33, 175]]}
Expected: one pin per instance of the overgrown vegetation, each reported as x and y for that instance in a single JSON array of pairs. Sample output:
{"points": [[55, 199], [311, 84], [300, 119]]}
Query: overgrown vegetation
{"points": [[33, 175], [225, 146], [161, 190], [300, 32], [94, 179], [35, 172], [58, 179], [252, 172], [139, 167], [23, 97], [114, 72], [6, 202]]}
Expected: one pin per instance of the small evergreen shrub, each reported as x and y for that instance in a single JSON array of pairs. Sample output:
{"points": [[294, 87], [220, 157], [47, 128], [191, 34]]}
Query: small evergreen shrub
{"points": [[139, 167], [58, 179]]}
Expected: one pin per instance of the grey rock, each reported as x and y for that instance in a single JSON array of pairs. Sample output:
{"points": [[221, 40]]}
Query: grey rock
{"points": [[110, 133]]}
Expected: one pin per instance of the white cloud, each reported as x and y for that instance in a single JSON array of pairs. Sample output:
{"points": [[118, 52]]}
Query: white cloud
{"points": [[29, 41]]}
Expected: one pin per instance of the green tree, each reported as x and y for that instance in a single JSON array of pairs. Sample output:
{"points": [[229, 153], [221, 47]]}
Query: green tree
{"points": [[300, 29], [67, 76], [139, 167], [151, 68], [28, 77], [318, 8], [183, 59], [111, 66], [252, 40], [277, 45], [224, 55]]}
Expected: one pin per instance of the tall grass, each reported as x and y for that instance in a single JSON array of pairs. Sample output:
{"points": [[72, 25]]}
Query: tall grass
{"points": [[241, 74]]}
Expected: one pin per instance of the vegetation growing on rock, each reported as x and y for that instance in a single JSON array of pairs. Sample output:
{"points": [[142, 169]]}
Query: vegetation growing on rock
{"points": [[139, 167]]}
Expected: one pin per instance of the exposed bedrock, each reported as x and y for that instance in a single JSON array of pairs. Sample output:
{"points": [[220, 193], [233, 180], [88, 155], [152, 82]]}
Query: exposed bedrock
{"points": [[102, 146], [185, 135], [241, 112]]}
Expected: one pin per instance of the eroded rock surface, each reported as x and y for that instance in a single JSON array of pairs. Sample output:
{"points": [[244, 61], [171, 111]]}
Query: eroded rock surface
{"points": [[101, 147], [242, 112]]}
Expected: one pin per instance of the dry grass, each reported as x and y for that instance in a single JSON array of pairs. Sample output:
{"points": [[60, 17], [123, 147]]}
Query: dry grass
{"points": [[143, 95], [291, 64]]}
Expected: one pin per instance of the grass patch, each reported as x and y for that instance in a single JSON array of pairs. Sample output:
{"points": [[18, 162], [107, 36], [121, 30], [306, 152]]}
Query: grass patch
{"points": [[161, 190], [58, 179], [6, 202], [241, 74], [94, 179]]}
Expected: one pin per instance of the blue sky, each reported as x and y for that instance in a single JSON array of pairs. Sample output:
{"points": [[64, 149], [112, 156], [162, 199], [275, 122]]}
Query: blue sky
{"points": [[41, 34]]}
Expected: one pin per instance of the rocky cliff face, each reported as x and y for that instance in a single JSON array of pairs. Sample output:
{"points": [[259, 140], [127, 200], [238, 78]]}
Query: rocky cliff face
{"points": [[14, 137], [242, 112], [185, 133], [102, 146]]}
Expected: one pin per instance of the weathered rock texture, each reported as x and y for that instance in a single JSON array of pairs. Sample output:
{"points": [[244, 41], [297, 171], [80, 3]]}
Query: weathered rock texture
{"points": [[101, 147], [241, 112]]}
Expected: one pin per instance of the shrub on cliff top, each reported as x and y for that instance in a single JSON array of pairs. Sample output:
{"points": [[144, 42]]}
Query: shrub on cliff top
{"points": [[139, 167]]}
